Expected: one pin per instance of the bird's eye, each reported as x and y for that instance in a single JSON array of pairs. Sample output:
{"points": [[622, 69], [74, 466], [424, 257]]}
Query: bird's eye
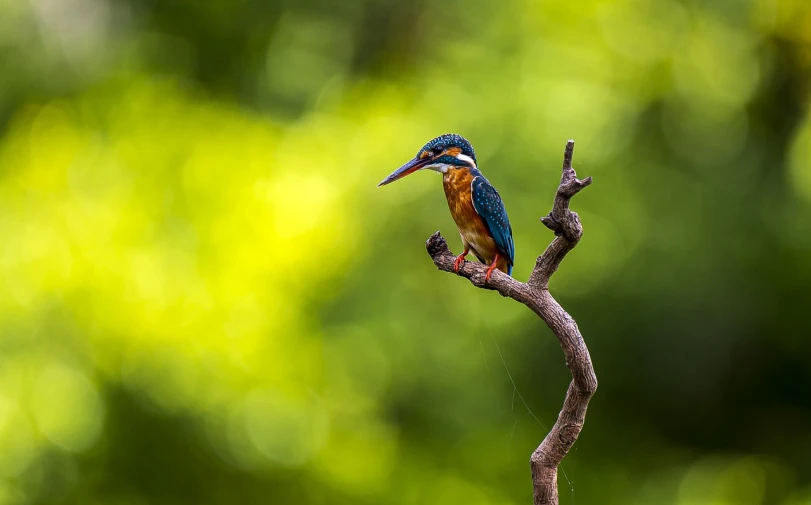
{"points": [[437, 150]]}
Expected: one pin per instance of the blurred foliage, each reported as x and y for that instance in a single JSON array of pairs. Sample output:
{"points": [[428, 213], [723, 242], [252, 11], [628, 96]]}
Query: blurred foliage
{"points": [[205, 299]]}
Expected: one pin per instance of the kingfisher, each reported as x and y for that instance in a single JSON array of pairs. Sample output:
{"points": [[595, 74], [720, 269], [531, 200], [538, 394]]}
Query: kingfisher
{"points": [[475, 205]]}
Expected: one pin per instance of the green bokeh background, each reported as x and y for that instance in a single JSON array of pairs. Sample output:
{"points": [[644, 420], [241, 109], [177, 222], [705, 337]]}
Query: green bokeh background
{"points": [[204, 298]]}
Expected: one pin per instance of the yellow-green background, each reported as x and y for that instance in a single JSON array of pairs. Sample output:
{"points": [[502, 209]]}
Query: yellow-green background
{"points": [[204, 298]]}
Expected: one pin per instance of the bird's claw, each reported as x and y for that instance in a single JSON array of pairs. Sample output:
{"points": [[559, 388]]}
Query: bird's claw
{"points": [[457, 263], [490, 269]]}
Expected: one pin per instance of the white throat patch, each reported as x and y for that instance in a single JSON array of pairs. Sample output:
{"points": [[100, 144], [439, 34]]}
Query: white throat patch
{"points": [[438, 167]]}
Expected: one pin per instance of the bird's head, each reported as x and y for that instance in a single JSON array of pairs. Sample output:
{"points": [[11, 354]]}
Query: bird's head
{"points": [[446, 152]]}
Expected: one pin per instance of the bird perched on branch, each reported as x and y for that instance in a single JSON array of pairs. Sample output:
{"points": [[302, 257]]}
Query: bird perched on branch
{"points": [[475, 204]]}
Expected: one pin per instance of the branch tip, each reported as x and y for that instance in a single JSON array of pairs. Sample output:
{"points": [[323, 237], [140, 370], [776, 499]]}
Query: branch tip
{"points": [[436, 244], [567, 155]]}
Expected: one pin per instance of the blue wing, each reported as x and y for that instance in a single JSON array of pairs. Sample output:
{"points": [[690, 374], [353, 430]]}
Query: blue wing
{"points": [[489, 206]]}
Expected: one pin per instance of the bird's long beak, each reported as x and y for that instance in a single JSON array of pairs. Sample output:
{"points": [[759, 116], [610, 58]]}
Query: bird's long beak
{"points": [[409, 168]]}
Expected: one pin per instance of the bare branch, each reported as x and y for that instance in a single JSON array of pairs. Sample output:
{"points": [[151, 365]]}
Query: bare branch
{"points": [[562, 221], [535, 294]]}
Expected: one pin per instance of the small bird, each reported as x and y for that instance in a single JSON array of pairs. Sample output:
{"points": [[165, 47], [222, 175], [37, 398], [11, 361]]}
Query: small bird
{"points": [[474, 203]]}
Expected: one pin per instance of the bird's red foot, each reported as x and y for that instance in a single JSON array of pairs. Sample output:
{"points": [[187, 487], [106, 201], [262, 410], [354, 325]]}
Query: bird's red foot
{"points": [[490, 270], [457, 263]]}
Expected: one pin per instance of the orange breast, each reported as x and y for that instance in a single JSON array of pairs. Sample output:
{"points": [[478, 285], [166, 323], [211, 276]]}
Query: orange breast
{"points": [[471, 227]]}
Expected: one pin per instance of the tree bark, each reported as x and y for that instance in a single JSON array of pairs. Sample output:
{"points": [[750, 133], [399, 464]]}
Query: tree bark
{"points": [[535, 294]]}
